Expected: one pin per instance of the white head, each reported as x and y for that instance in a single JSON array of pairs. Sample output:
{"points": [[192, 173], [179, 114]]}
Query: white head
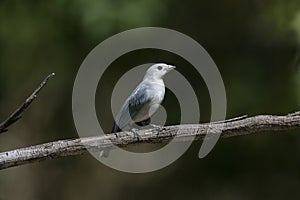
{"points": [[158, 71]]}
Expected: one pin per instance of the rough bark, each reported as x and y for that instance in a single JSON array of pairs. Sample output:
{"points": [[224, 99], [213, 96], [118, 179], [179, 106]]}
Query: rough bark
{"points": [[229, 128]]}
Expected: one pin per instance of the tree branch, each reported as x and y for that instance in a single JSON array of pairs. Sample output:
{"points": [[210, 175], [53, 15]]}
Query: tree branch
{"points": [[15, 116], [229, 128]]}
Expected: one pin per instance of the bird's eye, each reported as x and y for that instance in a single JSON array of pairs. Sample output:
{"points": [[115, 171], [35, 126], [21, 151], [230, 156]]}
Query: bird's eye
{"points": [[159, 67]]}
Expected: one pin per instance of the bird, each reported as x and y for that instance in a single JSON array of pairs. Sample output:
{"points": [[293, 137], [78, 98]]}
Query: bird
{"points": [[143, 102]]}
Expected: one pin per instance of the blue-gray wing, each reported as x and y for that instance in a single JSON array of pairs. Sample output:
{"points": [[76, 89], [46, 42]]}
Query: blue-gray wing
{"points": [[130, 109]]}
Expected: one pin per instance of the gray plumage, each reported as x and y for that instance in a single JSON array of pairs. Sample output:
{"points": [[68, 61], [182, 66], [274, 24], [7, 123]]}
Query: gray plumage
{"points": [[143, 101]]}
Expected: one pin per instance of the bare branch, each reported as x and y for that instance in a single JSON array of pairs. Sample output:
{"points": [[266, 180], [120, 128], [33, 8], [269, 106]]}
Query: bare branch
{"points": [[15, 116], [234, 127]]}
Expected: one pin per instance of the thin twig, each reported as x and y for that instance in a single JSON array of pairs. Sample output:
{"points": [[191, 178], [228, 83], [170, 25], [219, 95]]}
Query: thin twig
{"points": [[231, 120], [15, 116], [234, 127]]}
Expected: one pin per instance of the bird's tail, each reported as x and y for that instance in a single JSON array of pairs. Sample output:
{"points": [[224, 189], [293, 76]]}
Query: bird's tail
{"points": [[105, 153]]}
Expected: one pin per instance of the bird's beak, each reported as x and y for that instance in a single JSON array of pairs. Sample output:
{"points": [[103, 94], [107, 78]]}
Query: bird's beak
{"points": [[171, 67]]}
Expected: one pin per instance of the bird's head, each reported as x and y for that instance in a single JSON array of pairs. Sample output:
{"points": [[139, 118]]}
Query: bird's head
{"points": [[158, 71]]}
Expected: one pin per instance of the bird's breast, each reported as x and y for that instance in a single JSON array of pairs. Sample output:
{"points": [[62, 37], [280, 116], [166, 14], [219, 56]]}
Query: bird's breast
{"points": [[155, 95]]}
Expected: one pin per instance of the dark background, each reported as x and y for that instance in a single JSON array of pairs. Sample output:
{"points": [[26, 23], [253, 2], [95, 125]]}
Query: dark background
{"points": [[254, 43]]}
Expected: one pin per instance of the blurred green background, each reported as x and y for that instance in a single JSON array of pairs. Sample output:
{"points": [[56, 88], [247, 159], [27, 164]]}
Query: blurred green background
{"points": [[254, 43]]}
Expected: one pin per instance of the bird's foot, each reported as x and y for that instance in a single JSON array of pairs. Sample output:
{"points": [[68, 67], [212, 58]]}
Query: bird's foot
{"points": [[157, 127], [136, 134]]}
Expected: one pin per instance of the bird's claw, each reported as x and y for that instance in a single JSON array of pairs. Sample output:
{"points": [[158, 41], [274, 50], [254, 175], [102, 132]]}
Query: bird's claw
{"points": [[136, 134], [157, 127]]}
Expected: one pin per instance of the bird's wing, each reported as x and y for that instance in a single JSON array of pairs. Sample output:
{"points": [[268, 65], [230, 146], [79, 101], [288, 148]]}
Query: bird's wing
{"points": [[132, 106]]}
